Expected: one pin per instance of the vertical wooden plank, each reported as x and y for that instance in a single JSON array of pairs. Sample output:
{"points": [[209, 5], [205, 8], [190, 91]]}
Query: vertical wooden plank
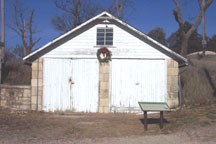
{"points": [[85, 88], [56, 93], [70, 85], [136, 80]]}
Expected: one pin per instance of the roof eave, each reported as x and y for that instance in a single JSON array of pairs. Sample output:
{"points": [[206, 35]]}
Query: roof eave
{"points": [[174, 55], [177, 56], [28, 57]]}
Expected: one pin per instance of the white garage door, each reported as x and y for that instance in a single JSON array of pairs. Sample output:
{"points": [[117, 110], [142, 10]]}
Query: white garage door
{"points": [[70, 84], [136, 80]]}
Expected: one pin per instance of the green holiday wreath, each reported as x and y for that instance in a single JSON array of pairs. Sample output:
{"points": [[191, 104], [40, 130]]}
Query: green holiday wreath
{"points": [[104, 55]]}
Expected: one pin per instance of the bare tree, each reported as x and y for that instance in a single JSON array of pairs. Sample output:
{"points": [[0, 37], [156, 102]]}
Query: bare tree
{"points": [[120, 5], [117, 8], [24, 28], [74, 13], [177, 12]]}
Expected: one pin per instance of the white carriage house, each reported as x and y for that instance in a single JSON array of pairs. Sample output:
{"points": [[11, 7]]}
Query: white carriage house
{"points": [[67, 75]]}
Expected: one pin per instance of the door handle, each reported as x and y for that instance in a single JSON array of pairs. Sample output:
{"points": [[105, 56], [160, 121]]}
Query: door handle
{"points": [[71, 81]]}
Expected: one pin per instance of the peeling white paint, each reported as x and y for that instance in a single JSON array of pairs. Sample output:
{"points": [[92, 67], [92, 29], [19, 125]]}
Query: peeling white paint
{"points": [[136, 80], [70, 85]]}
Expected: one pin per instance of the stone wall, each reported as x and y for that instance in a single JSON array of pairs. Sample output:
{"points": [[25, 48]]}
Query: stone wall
{"points": [[15, 97], [172, 83], [37, 84], [104, 69]]}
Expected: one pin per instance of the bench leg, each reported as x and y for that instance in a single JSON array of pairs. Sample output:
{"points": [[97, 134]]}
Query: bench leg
{"points": [[161, 119], [145, 120]]}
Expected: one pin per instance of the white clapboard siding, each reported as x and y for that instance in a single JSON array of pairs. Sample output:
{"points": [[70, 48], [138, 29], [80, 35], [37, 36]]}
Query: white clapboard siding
{"points": [[85, 88], [70, 84], [125, 45], [136, 80]]}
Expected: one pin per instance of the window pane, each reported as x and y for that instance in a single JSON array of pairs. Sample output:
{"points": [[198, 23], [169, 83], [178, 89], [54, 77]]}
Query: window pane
{"points": [[109, 30], [105, 36], [100, 39], [100, 42], [100, 34], [109, 43], [100, 30], [109, 34], [109, 39]]}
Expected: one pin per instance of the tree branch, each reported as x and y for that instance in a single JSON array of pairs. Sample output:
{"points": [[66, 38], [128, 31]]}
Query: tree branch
{"points": [[35, 42], [63, 6], [178, 15], [16, 19], [15, 30], [199, 17], [30, 29], [120, 8], [185, 35], [74, 13], [24, 28]]}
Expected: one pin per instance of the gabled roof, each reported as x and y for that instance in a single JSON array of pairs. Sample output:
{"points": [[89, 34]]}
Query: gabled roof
{"points": [[101, 18]]}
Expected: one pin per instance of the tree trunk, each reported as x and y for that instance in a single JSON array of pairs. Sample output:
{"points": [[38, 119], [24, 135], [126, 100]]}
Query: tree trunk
{"points": [[179, 19], [184, 46]]}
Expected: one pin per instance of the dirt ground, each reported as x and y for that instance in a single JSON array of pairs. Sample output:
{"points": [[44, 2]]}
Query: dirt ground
{"points": [[189, 126]]}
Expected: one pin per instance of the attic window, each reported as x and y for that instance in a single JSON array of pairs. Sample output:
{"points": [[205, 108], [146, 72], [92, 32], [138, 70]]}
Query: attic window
{"points": [[105, 36]]}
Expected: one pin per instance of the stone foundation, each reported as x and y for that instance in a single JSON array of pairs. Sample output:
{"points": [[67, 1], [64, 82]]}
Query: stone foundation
{"points": [[15, 97]]}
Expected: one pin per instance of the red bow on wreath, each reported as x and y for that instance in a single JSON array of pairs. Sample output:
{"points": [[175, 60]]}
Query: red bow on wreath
{"points": [[106, 55], [104, 51]]}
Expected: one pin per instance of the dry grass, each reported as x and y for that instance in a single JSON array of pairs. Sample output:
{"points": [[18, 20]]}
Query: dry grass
{"points": [[76, 126], [199, 80], [198, 116]]}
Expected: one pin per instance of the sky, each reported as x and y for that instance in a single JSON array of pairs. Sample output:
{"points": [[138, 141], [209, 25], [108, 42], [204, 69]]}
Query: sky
{"points": [[144, 15]]}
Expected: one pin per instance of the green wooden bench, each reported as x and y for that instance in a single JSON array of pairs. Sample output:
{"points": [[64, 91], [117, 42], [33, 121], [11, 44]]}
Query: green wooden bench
{"points": [[154, 107]]}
